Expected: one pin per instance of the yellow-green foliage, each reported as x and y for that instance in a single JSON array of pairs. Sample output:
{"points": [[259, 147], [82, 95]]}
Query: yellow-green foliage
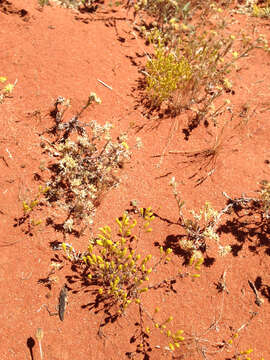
{"points": [[168, 72], [190, 71], [190, 65], [175, 338], [7, 89], [28, 206], [119, 274], [262, 12], [43, 2], [196, 261]]}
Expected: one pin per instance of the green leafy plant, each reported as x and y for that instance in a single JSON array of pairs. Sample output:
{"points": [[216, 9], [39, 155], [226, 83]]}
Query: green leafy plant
{"points": [[175, 339], [242, 354], [29, 206], [83, 167]]}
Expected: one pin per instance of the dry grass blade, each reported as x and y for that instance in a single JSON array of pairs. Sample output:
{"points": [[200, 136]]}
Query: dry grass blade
{"points": [[205, 159], [39, 337]]}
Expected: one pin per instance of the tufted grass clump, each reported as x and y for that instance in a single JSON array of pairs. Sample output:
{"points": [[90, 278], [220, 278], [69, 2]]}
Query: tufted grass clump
{"points": [[83, 165]]}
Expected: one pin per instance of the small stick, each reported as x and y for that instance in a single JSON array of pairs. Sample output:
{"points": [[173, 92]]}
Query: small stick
{"points": [[258, 301], [103, 83], [221, 285], [9, 154], [39, 337]]}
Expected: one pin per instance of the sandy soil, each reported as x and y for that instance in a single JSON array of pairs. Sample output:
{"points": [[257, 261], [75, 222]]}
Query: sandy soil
{"points": [[52, 52]]}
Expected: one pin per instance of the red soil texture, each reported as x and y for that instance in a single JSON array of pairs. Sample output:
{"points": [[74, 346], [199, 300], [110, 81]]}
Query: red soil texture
{"points": [[53, 51]]}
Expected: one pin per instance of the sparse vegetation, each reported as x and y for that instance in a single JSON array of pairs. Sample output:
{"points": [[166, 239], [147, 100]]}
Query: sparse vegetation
{"points": [[192, 69], [189, 70], [201, 227], [85, 165], [89, 5], [119, 275]]}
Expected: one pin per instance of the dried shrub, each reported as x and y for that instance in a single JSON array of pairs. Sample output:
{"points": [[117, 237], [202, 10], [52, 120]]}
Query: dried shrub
{"points": [[83, 166]]}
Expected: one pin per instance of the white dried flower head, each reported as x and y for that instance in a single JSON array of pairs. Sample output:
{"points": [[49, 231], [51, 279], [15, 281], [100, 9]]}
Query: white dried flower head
{"points": [[76, 191], [68, 162], [211, 234], [108, 137], [139, 143], [197, 255], [92, 188], [93, 97], [83, 141], [187, 244], [89, 219], [172, 182], [224, 250], [68, 225], [75, 182], [83, 194], [89, 206], [108, 126], [67, 145]]}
